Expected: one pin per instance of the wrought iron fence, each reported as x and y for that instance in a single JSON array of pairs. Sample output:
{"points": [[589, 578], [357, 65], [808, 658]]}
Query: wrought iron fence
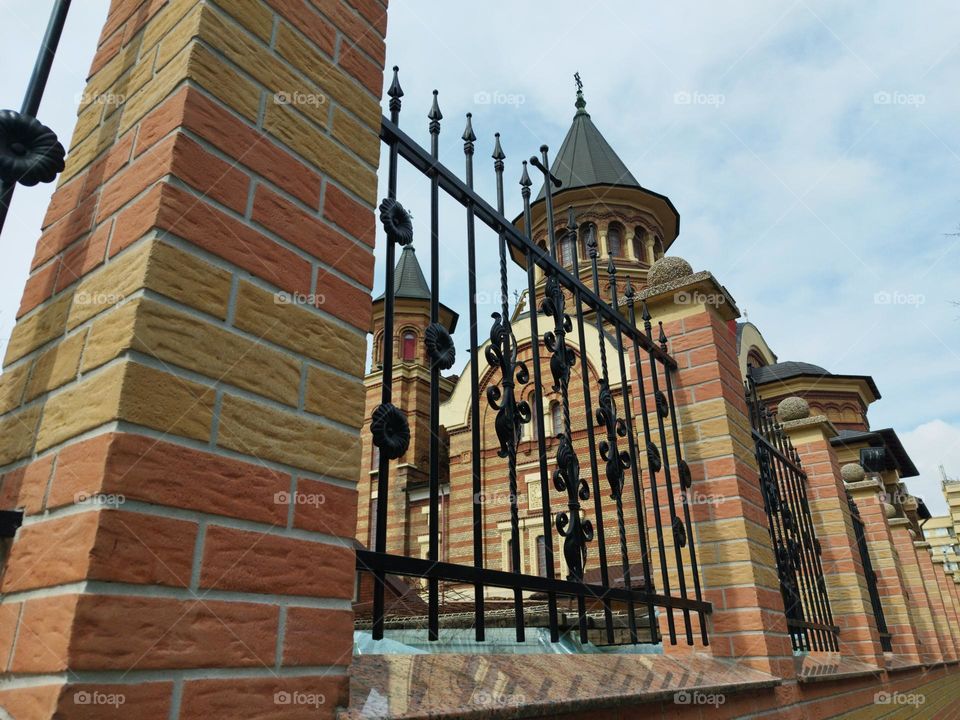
{"points": [[860, 531], [784, 487], [610, 426]]}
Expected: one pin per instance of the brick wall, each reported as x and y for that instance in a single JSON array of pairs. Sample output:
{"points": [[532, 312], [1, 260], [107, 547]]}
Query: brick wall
{"points": [[164, 394]]}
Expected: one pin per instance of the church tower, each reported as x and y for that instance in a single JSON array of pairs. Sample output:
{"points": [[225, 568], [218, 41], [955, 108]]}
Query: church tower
{"points": [[411, 393], [633, 226]]}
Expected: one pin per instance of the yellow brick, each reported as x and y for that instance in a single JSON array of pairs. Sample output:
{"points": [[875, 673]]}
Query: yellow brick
{"points": [[716, 408], [359, 138], [224, 83], [300, 330], [334, 397], [110, 284], [166, 403], [12, 383], [255, 17], [81, 407], [264, 432], [179, 339], [337, 84], [261, 64], [178, 35], [715, 576], [56, 366], [39, 327], [17, 433], [110, 335], [85, 150], [706, 449], [184, 277], [297, 134], [160, 86]]}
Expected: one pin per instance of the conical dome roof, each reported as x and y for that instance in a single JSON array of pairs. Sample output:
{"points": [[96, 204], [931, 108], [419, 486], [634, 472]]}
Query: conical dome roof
{"points": [[586, 158]]}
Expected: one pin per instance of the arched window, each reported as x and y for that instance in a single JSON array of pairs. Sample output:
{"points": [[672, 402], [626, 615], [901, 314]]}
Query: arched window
{"points": [[640, 244], [587, 231], [615, 239], [556, 418], [566, 249], [542, 555], [409, 346], [657, 249]]}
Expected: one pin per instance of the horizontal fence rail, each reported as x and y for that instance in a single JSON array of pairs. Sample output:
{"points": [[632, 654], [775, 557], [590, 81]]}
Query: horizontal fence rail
{"points": [[598, 469], [783, 484]]}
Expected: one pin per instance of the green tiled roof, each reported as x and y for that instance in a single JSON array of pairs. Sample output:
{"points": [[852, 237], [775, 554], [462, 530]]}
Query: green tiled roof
{"points": [[409, 280], [586, 158]]}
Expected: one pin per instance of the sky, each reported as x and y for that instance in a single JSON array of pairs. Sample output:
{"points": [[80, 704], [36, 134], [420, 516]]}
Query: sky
{"points": [[811, 148]]}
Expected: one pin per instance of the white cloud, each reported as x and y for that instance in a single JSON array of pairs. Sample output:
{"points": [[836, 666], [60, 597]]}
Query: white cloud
{"points": [[930, 445]]}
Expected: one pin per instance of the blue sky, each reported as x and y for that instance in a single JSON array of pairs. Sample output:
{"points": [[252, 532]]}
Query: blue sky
{"points": [[811, 149]]}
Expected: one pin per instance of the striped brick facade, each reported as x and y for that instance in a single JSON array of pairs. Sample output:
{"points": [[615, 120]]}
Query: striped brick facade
{"points": [[201, 281]]}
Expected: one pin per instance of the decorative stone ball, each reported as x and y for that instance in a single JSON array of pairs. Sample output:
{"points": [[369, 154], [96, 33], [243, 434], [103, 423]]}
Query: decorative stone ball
{"points": [[852, 473], [889, 510], [667, 269], [793, 408]]}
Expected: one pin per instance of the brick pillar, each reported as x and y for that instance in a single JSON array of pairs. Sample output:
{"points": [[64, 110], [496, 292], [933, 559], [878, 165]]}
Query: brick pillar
{"points": [[730, 530], [929, 572], [199, 296], [920, 606], [894, 594], [840, 554], [948, 593]]}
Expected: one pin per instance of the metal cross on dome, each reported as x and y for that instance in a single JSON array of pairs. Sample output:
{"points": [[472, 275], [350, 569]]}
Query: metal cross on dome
{"points": [[576, 77]]}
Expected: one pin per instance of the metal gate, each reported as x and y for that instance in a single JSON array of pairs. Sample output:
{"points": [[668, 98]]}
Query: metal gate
{"points": [[784, 487], [616, 440]]}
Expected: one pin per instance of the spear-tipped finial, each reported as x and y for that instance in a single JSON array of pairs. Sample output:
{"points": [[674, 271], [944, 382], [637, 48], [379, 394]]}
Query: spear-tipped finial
{"points": [[525, 176], [435, 115], [395, 90], [647, 317], [497, 150], [571, 218], [611, 268], [663, 337], [468, 135], [628, 291]]}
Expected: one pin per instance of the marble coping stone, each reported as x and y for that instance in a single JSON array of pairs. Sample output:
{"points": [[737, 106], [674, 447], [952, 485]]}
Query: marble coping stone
{"points": [[461, 687], [831, 666]]}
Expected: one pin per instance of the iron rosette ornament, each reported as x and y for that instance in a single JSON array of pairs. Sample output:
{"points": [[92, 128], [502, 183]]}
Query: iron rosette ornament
{"points": [[443, 353], [397, 222], [391, 431], [29, 151], [511, 415]]}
